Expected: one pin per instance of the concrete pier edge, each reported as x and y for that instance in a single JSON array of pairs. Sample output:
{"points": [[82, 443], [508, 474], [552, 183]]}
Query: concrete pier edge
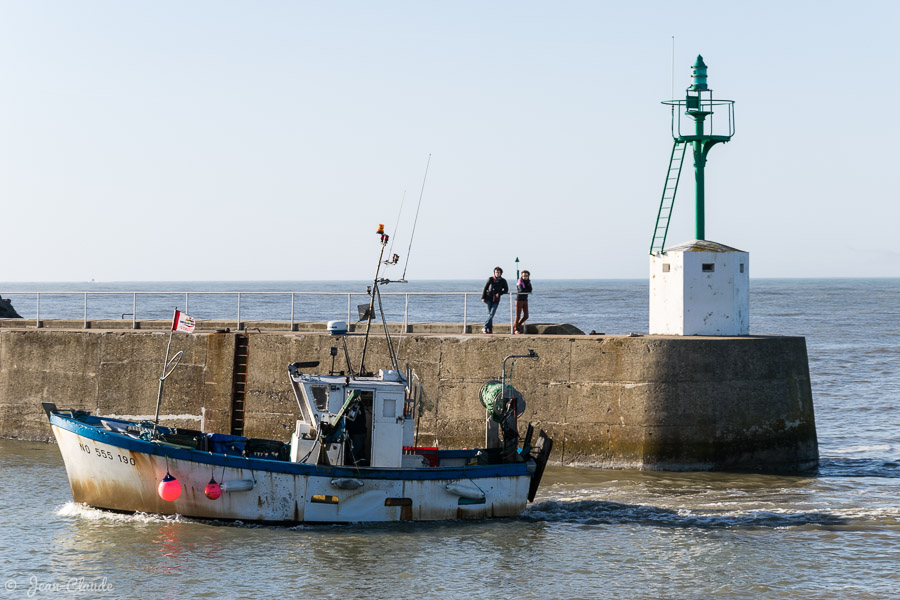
{"points": [[647, 402]]}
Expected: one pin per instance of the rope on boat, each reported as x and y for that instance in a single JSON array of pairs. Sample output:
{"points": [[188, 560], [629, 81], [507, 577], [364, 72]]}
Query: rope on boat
{"points": [[491, 397]]}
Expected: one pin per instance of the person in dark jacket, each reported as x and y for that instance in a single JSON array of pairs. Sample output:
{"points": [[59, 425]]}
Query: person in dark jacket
{"points": [[494, 288], [523, 287]]}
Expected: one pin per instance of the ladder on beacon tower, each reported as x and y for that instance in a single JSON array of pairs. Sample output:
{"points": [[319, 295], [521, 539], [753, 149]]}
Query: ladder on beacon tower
{"points": [[668, 197], [698, 104]]}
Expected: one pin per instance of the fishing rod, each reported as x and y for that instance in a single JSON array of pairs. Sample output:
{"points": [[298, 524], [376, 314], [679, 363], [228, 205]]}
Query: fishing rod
{"points": [[397, 227], [375, 292], [394, 257], [416, 220]]}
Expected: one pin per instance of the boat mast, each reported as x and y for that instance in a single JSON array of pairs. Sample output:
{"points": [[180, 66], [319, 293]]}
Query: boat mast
{"points": [[168, 366], [371, 311]]}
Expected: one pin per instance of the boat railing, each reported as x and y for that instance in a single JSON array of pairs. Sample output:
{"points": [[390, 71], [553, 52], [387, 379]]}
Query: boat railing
{"points": [[155, 305]]}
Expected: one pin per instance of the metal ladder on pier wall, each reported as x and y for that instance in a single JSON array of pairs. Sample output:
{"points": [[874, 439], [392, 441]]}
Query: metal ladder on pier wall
{"points": [[673, 175], [239, 387]]}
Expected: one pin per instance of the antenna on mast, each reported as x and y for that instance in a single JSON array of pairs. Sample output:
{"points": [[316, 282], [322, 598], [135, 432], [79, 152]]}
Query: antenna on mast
{"points": [[400, 212], [416, 220], [673, 69]]}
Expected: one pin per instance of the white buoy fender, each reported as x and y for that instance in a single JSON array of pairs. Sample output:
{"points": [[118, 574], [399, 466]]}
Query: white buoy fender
{"points": [[238, 485], [465, 491], [346, 483]]}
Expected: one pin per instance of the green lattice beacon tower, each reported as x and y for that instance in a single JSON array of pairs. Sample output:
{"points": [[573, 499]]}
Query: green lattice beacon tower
{"points": [[698, 287]]}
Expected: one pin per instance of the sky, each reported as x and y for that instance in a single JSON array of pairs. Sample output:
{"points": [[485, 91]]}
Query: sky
{"points": [[266, 140]]}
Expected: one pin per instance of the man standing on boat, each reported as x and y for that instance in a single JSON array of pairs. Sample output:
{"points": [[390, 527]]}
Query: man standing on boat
{"points": [[494, 288]]}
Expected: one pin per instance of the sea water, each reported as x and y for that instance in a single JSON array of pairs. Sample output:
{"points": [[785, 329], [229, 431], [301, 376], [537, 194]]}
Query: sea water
{"points": [[589, 534]]}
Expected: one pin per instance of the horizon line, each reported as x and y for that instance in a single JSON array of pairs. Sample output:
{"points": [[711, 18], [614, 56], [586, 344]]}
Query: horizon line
{"points": [[89, 282]]}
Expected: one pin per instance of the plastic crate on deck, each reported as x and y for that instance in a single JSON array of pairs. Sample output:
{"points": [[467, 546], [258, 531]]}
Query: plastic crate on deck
{"points": [[430, 453]]}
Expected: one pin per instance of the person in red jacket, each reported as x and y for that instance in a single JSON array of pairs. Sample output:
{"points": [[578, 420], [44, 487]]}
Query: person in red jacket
{"points": [[523, 287]]}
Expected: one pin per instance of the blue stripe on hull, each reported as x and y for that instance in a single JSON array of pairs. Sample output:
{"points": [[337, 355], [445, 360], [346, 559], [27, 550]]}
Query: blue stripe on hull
{"points": [[276, 466]]}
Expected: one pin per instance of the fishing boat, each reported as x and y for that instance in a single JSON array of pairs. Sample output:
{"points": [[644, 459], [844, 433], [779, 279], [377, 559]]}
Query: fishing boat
{"points": [[353, 455]]}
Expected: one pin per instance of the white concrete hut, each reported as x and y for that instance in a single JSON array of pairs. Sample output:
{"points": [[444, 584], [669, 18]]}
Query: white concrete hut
{"points": [[700, 288]]}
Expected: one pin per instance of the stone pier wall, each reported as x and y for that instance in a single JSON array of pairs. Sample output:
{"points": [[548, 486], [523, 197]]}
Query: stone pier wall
{"points": [[650, 402]]}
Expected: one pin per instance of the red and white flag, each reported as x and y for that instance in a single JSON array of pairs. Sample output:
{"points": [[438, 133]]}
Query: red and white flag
{"points": [[182, 322]]}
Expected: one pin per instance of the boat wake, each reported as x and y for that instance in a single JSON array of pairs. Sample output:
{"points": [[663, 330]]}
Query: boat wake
{"points": [[857, 449], [845, 466], [597, 512], [580, 512], [89, 513]]}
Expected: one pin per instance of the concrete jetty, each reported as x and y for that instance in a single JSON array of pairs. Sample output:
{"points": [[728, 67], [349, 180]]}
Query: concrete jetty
{"points": [[647, 402]]}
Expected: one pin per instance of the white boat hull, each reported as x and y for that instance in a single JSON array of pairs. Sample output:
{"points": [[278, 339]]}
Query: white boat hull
{"points": [[106, 471]]}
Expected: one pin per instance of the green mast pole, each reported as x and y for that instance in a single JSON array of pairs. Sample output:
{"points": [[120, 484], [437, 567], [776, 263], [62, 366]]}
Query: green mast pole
{"points": [[700, 183], [701, 146]]}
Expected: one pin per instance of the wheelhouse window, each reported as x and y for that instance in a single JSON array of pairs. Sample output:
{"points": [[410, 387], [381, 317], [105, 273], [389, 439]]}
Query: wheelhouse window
{"points": [[320, 397]]}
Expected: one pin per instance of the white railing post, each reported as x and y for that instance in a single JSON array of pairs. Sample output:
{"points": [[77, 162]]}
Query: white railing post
{"points": [[37, 316], [239, 327], [293, 328], [348, 311], [85, 311], [134, 310], [187, 308], [406, 316]]}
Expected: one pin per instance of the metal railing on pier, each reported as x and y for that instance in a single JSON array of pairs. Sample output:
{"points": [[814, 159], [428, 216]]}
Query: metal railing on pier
{"points": [[155, 305]]}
